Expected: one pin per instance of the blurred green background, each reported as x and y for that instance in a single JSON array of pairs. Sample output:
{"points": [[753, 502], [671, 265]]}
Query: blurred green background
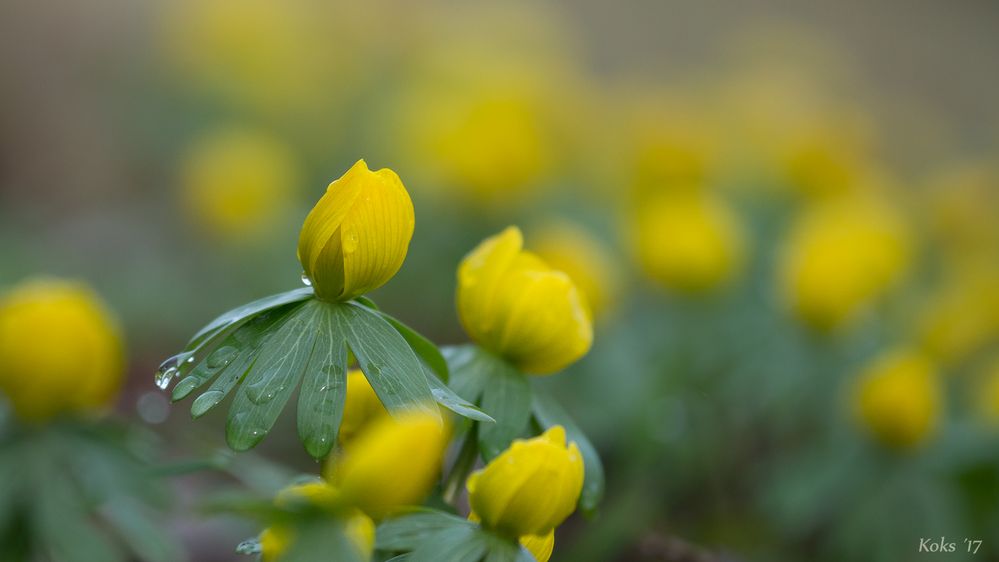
{"points": [[784, 217]]}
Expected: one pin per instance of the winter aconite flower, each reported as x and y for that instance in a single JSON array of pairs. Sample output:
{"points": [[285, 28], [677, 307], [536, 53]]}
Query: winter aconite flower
{"points": [[60, 350], [688, 240], [513, 304], [898, 398], [359, 528], [841, 256], [393, 463], [530, 488], [356, 237], [236, 182], [361, 408]]}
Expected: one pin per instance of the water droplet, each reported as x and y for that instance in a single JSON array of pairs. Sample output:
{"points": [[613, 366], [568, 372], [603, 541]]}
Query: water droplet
{"points": [[305, 280], [164, 376], [249, 546], [170, 369], [221, 357], [261, 392], [205, 402], [184, 387], [350, 241]]}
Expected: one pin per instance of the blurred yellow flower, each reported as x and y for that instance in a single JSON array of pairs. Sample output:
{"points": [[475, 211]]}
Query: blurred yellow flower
{"points": [[987, 393], [673, 142], [690, 240], [237, 182], [391, 464], [960, 203], [487, 116], [962, 316], [264, 55], [362, 406], [840, 257], [513, 304], [359, 528], [530, 488], [60, 349], [585, 259], [356, 237], [898, 398]]}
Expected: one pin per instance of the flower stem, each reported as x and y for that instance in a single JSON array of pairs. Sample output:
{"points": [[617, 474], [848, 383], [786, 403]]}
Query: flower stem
{"points": [[463, 465]]}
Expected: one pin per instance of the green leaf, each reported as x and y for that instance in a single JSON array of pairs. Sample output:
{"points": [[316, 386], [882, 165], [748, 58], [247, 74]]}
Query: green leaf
{"points": [[424, 348], [248, 340], [367, 302], [548, 412], [139, 532], [500, 549], [63, 520], [406, 532], [324, 390], [507, 398], [454, 544], [386, 359], [468, 375], [247, 312], [447, 398], [272, 379]]}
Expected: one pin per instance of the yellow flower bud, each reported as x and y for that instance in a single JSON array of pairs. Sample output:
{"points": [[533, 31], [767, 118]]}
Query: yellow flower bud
{"points": [[898, 398], [356, 237], [512, 303], [584, 259], [688, 240], [237, 182], [362, 406], [840, 257], [530, 488], [392, 464], [359, 528], [60, 349]]}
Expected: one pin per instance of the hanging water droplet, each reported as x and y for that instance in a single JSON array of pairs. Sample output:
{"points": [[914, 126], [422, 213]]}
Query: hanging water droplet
{"points": [[350, 241], [249, 546], [164, 376], [170, 369], [305, 280]]}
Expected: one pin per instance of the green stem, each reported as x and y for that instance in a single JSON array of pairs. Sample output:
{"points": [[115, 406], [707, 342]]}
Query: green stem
{"points": [[463, 465]]}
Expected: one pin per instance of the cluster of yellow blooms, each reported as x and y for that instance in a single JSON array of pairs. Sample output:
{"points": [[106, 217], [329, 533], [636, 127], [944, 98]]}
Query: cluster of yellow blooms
{"points": [[394, 461], [510, 301]]}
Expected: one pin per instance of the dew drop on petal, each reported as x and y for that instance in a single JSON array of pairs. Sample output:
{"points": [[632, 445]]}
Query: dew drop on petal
{"points": [[350, 241], [305, 279]]}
